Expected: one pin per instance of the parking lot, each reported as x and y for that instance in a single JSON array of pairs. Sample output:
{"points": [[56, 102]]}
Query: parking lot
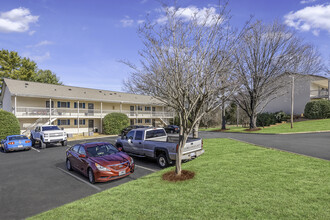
{"points": [[37, 180]]}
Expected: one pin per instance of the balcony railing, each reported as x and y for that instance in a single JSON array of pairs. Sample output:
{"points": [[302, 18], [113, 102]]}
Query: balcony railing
{"points": [[319, 94], [30, 112]]}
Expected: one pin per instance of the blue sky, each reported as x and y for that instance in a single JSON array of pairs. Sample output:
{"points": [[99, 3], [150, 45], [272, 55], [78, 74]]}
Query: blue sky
{"points": [[83, 40]]}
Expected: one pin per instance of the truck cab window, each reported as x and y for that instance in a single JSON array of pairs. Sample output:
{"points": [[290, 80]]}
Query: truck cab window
{"points": [[138, 135], [130, 135]]}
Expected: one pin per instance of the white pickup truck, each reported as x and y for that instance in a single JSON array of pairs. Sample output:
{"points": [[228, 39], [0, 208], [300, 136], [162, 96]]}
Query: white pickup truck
{"points": [[48, 134], [154, 143]]}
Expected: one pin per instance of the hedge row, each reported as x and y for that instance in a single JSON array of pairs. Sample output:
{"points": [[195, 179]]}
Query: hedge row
{"points": [[266, 119], [317, 109]]}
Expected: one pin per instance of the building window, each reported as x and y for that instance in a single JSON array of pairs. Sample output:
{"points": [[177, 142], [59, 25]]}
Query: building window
{"points": [[147, 108], [81, 122], [139, 108], [81, 105], [153, 109], [63, 122], [47, 104], [63, 104], [139, 121], [147, 121]]}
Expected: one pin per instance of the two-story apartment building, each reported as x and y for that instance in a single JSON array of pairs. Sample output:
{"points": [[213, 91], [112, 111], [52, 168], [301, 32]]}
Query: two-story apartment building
{"points": [[76, 109], [306, 88]]}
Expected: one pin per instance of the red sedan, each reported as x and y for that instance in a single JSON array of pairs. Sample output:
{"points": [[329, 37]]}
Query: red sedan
{"points": [[100, 162]]}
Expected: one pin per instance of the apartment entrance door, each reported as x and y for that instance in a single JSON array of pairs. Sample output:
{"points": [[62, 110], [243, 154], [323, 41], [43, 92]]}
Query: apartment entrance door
{"points": [[90, 108], [91, 125], [131, 108]]}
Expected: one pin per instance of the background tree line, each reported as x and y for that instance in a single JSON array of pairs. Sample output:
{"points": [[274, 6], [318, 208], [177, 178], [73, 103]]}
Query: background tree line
{"points": [[13, 66]]}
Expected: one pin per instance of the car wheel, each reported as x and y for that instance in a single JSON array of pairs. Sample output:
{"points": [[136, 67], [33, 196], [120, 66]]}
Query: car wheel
{"points": [[91, 177], [68, 165], [4, 149], [33, 141], [64, 143], [162, 161], [42, 144]]}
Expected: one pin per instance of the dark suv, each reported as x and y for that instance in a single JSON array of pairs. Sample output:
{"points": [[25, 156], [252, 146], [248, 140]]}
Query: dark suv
{"points": [[172, 129], [126, 130]]}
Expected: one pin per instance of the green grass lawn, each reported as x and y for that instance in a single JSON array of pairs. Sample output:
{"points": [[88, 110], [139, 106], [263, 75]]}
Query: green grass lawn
{"points": [[233, 180], [303, 126]]}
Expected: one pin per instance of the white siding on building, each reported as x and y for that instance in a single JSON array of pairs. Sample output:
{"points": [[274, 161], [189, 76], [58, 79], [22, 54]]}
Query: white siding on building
{"points": [[6, 102]]}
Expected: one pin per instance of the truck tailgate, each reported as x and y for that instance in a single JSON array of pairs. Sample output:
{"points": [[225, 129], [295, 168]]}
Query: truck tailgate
{"points": [[192, 145]]}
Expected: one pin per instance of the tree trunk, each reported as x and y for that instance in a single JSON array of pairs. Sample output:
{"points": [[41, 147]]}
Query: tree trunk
{"points": [[195, 130], [178, 158], [253, 121]]}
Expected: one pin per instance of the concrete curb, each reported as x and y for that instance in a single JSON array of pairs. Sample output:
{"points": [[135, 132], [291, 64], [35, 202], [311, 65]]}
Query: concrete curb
{"points": [[93, 138], [307, 132]]}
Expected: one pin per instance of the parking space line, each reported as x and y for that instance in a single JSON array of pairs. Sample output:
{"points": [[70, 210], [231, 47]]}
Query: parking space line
{"points": [[35, 149], [84, 181], [146, 168]]}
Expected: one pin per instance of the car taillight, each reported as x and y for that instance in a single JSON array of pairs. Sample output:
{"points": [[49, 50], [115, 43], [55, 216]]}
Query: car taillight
{"points": [[27, 142], [177, 148], [11, 143]]}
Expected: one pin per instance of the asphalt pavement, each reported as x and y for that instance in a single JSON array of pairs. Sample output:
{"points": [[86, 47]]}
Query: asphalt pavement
{"points": [[35, 181], [309, 144]]}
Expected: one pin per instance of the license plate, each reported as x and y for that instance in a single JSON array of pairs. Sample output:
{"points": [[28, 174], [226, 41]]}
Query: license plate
{"points": [[122, 173], [20, 145], [193, 154]]}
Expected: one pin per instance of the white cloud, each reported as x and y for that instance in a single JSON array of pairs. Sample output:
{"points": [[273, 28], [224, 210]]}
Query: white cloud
{"points": [[16, 20], [140, 21], [38, 58], [127, 21], [312, 18], [307, 1], [202, 15], [31, 33], [41, 43]]}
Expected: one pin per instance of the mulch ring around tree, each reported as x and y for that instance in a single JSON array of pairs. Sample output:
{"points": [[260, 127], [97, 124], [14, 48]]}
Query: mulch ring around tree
{"points": [[253, 129], [172, 177]]}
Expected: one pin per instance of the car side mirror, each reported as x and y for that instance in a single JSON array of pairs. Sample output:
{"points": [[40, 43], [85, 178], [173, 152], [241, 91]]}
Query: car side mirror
{"points": [[82, 155]]}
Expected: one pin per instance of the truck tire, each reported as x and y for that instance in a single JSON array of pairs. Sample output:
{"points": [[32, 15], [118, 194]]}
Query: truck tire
{"points": [[64, 143], [162, 161], [119, 147], [33, 141], [42, 144]]}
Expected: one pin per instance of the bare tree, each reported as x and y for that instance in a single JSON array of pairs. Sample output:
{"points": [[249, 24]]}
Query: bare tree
{"points": [[265, 56], [185, 65]]}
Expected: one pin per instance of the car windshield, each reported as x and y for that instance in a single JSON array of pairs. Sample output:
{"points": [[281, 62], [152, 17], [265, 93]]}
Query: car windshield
{"points": [[101, 150], [50, 128], [20, 137]]}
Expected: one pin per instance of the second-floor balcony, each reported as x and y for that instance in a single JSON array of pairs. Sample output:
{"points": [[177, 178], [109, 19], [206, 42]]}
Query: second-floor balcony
{"points": [[317, 94], [30, 112]]}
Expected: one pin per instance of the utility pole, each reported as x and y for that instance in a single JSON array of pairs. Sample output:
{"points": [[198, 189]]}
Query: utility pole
{"points": [[292, 100], [237, 115]]}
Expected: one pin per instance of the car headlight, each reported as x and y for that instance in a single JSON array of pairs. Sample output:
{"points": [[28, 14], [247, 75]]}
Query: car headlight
{"points": [[101, 168], [132, 161]]}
